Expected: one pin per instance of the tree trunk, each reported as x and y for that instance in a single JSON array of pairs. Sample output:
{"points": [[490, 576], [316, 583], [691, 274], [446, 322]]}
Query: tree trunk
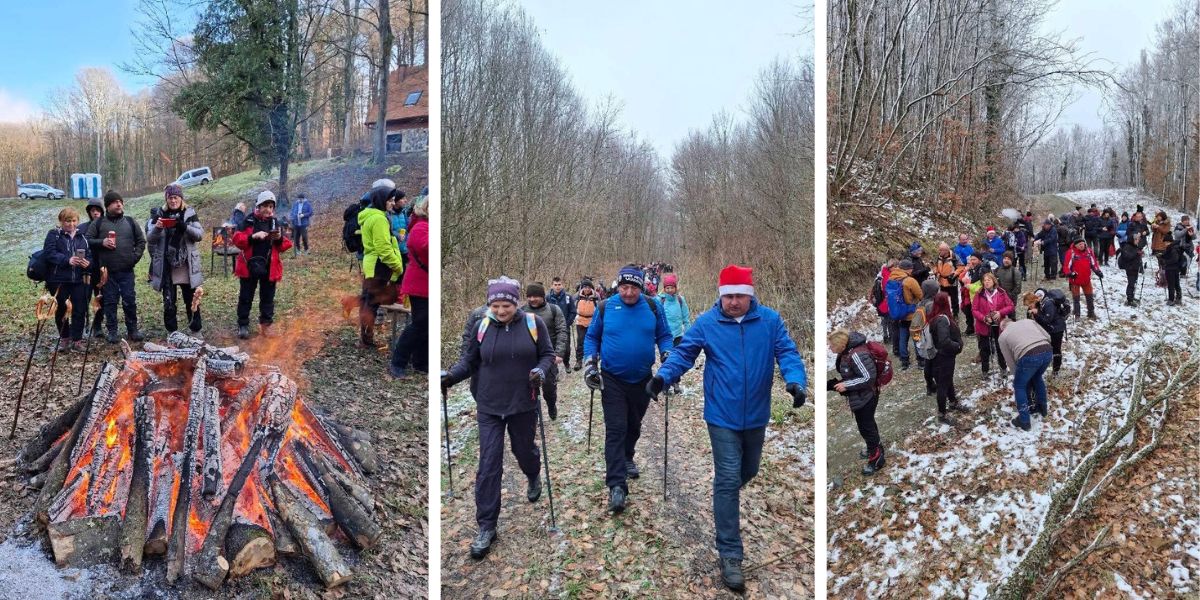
{"points": [[386, 40]]}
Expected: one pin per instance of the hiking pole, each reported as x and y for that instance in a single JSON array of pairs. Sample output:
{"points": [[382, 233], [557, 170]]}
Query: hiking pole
{"points": [[449, 461], [42, 312], [545, 455], [1142, 285], [54, 362], [1104, 295], [591, 407], [666, 436]]}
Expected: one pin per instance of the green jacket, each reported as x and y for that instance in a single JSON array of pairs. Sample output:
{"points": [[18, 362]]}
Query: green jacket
{"points": [[378, 244]]}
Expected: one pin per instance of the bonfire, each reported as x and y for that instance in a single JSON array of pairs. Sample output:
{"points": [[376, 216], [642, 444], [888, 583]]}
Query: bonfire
{"points": [[203, 456]]}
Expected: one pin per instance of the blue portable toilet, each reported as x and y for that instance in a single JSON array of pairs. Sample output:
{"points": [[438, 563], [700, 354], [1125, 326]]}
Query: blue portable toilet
{"points": [[86, 185]]}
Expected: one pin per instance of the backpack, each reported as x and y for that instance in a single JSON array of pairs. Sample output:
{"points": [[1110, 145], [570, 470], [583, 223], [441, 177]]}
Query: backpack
{"points": [[1060, 302], [925, 347], [898, 309], [351, 236], [39, 264], [530, 324], [878, 297], [883, 364]]}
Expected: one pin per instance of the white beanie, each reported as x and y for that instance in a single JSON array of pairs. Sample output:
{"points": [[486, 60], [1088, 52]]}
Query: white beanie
{"points": [[387, 183], [264, 197]]}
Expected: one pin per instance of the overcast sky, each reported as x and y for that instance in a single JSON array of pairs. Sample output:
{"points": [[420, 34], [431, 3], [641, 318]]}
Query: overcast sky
{"points": [[671, 64], [1113, 30]]}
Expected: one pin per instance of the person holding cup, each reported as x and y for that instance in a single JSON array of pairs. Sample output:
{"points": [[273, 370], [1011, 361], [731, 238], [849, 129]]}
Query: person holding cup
{"points": [[258, 266], [69, 258], [175, 265]]}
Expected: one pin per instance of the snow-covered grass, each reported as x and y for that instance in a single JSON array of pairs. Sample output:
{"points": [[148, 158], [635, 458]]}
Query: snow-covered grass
{"points": [[975, 499]]}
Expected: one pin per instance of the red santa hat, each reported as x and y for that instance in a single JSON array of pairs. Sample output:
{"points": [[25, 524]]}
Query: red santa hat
{"points": [[736, 280], [991, 229]]}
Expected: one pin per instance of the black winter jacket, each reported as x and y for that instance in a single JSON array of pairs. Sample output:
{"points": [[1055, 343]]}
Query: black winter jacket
{"points": [[501, 364], [857, 369], [946, 336], [131, 242], [58, 249], [1049, 318]]}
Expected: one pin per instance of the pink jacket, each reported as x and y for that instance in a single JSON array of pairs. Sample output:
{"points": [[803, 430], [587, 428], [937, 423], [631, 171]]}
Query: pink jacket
{"points": [[416, 279], [987, 301]]}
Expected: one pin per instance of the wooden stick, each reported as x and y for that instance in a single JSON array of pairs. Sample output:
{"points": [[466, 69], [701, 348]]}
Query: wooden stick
{"points": [[212, 443], [248, 547], [56, 476], [133, 528], [311, 537]]}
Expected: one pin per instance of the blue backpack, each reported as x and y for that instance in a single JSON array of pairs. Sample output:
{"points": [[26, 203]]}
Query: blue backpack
{"points": [[898, 309]]}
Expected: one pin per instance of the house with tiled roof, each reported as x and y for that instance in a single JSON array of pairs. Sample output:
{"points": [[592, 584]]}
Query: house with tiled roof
{"points": [[407, 117]]}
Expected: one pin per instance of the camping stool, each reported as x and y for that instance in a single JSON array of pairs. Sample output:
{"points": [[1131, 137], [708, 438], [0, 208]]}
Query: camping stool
{"points": [[396, 311], [222, 245]]}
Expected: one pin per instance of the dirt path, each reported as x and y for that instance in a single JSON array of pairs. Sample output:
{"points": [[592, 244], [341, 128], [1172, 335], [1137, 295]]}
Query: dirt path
{"points": [[657, 548], [974, 495]]}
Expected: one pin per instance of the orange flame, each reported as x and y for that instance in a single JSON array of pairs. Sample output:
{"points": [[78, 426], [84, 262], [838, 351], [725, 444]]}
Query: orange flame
{"points": [[110, 433]]}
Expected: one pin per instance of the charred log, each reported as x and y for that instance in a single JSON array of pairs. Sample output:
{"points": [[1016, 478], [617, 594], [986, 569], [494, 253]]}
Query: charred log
{"points": [[49, 434], [248, 547], [314, 544], [347, 512], [43, 463], [177, 543], [212, 443], [208, 566], [56, 476], [133, 528]]}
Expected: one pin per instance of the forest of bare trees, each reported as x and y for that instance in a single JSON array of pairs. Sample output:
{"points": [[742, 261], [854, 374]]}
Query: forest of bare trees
{"points": [[538, 183], [1151, 136], [943, 96], [138, 140]]}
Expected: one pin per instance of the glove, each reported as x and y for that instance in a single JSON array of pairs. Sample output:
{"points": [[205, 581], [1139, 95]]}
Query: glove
{"points": [[830, 384], [1098, 274], [591, 375], [663, 357], [537, 375], [446, 382], [655, 386], [797, 393]]}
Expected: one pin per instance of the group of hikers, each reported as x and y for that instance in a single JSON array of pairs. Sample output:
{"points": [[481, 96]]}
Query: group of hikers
{"points": [[920, 302], [92, 264], [510, 352]]}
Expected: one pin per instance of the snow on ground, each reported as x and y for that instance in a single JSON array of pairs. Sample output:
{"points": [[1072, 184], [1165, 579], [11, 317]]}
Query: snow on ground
{"points": [[28, 575], [975, 499]]}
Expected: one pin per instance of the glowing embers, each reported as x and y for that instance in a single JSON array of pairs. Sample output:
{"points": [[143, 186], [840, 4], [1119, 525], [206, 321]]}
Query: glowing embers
{"points": [[192, 453]]}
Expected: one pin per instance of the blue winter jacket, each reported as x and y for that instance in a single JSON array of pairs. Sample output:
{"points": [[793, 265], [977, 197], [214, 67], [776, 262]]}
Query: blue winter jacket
{"points": [[629, 334], [301, 212], [962, 251], [739, 364], [678, 316], [399, 221], [59, 248], [997, 246], [1122, 228]]}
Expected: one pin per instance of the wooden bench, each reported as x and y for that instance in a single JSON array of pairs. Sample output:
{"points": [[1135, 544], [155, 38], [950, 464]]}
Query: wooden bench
{"points": [[396, 312]]}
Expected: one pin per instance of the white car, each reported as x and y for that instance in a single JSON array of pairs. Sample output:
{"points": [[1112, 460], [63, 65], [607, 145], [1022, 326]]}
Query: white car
{"points": [[200, 176], [40, 190]]}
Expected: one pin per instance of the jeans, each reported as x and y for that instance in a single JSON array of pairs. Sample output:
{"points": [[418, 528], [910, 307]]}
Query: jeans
{"points": [[736, 455], [900, 337], [522, 428], [171, 311], [266, 300], [1029, 371], [79, 294], [412, 347], [120, 286], [624, 405]]}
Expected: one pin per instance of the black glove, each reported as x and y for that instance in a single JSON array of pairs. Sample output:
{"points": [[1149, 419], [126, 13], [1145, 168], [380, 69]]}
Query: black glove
{"points": [[447, 383], [797, 393], [655, 386], [829, 385], [591, 375], [536, 375], [1098, 274]]}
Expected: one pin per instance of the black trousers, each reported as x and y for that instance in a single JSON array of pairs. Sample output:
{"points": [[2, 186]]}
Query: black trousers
{"points": [[943, 376], [412, 349], [865, 418], [567, 353], [1131, 280], [299, 235], [952, 291], [171, 310], [927, 371], [987, 347], [1050, 264], [1021, 264], [1174, 292], [1056, 340], [580, 333], [79, 294], [120, 287], [624, 405], [1105, 244], [522, 433], [266, 300]]}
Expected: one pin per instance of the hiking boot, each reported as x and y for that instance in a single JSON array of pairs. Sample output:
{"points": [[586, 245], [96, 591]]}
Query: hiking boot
{"points": [[616, 500], [243, 332], [577, 367], [552, 409], [482, 544], [397, 372], [945, 419], [1016, 422], [863, 454], [930, 391], [631, 470], [874, 466], [535, 488], [1038, 410], [904, 366], [78, 346], [731, 574], [959, 407], [63, 344], [675, 389], [136, 336], [112, 337]]}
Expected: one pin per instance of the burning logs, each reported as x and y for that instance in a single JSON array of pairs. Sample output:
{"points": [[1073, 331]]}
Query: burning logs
{"points": [[193, 452]]}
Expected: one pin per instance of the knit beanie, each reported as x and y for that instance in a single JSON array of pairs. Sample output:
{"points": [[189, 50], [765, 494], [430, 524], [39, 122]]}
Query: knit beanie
{"points": [[172, 189], [505, 289], [535, 289], [670, 279], [906, 265], [110, 197], [631, 274]]}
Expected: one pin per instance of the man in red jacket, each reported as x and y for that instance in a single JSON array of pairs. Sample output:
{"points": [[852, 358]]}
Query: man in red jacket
{"points": [[258, 266], [1078, 266]]}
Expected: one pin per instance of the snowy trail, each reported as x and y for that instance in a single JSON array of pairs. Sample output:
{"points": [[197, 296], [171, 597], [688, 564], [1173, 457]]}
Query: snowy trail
{"points": [[973, 496]]}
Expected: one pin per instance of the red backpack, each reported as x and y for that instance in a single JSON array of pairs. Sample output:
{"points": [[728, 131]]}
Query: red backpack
{"points": [[883, 364]]}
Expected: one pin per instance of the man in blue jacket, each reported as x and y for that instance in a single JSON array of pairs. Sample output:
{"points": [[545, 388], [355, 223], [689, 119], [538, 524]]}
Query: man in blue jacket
{"points": [[742, 340], [301, 214], [620, 348]]}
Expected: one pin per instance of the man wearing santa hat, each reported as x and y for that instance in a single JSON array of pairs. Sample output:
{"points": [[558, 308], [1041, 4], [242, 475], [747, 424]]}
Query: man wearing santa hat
{"points": [[619, 345], [996, 247], [741, 340]]}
